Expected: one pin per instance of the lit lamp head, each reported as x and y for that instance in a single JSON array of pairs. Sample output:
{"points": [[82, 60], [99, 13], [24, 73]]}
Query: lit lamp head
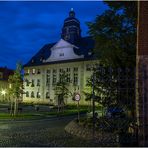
{"points": [[3, 92]]}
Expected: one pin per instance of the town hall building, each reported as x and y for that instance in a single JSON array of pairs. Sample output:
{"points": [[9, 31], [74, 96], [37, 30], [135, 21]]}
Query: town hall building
{"points": [[72, 53]]}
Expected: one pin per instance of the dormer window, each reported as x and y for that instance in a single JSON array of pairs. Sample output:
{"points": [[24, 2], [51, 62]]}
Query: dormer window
{"points": [[61, 54]]}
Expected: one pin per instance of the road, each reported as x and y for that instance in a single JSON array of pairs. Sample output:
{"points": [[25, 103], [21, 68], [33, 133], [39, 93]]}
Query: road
{"points": [[45, 132]]}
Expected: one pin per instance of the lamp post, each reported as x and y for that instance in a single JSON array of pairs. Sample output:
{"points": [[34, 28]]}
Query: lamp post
{"points": [[93, 104]]}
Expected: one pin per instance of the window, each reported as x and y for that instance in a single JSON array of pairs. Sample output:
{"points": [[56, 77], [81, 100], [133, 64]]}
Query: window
{"points": [[38, 82], [68, 69], [38, 95], [75, 79], [1, 75], [88, 67], [38, 71], [68, 77], [48, 77], [33, 71], [47, 95], [27, 94], [61, 54], [32, 83], [27, 72], [75, 69], [61, 70], [32, 94], [27, 82], [54, 76], [48, 71], [75, 75]]}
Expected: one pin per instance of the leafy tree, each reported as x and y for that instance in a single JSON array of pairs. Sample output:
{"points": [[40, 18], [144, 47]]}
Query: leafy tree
{"points": [[61, 90], [16, 88], [104, 87], [114, 33]]}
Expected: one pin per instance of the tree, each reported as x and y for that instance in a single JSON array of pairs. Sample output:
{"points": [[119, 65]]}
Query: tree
{"points": [[16, 88], [104, 87], [114, 33], [61, 90]]}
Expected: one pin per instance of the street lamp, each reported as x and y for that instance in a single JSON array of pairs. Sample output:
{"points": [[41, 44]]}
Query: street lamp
{"points": [[3, 92]]}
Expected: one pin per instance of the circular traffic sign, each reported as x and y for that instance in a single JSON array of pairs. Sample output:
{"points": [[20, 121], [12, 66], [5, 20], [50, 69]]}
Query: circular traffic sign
{"points": [[77, 97]]}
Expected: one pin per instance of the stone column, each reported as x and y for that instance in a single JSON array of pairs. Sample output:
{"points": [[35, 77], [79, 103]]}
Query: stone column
{"points": [[142, 70]]}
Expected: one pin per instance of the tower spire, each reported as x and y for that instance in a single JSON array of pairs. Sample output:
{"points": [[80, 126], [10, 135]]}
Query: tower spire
{"points": [[71, 30]]}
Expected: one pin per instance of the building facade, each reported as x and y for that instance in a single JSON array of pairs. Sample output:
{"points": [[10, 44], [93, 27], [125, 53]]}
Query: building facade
{"points": [[4, 76], [72, 53]]}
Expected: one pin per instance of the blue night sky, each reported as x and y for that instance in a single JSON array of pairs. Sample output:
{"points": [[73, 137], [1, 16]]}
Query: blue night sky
{"points": [[26, 26]]}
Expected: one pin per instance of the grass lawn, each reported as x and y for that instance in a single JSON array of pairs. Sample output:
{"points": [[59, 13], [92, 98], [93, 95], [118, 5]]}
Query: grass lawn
{"points": [[19, 116], [39, 114]]}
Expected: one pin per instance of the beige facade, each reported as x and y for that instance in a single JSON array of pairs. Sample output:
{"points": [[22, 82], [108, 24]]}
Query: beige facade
{"points": [[39, 81]]}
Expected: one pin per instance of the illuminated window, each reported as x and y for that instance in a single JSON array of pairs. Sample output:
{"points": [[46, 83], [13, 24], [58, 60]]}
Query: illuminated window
{"points": [[33, 71]]}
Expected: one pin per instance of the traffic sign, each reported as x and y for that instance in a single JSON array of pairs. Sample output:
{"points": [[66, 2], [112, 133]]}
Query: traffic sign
{"points": [[77, 97]]}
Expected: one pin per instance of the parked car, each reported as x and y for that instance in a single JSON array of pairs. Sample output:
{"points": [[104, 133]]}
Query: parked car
{"points": [[98, 113], [115, 112]]}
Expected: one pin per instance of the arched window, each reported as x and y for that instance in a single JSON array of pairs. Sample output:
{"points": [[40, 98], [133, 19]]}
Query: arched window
{"points": [[32, 94], [27, 94]]}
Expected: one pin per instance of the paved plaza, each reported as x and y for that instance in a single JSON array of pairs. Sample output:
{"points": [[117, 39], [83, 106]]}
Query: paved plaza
{"points": [[45, 132]]}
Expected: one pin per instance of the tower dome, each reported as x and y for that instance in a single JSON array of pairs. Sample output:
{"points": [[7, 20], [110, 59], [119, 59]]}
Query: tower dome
{"points": [[71, 31]]}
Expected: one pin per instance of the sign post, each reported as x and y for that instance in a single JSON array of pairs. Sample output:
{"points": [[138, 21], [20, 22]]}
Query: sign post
{"points": [[77, 98]]}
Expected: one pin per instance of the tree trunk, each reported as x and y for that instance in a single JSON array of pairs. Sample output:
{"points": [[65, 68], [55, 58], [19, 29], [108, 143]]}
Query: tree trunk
{"points": [[11, 107], [15, 107]]}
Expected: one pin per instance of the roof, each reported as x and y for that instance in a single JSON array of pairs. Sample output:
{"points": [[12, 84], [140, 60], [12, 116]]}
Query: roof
{"points": [[5, 73], [85, 45]]}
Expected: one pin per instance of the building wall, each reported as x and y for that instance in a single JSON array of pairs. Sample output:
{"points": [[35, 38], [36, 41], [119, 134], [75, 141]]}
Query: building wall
{"points": [[84, 71], [142, 64]]}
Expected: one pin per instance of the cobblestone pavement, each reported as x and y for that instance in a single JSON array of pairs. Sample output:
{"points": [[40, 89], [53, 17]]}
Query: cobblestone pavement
{"points": [[45, 132]]}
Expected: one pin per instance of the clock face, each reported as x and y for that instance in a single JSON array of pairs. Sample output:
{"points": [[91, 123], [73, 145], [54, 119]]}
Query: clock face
{"points": [[77, 97]]}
